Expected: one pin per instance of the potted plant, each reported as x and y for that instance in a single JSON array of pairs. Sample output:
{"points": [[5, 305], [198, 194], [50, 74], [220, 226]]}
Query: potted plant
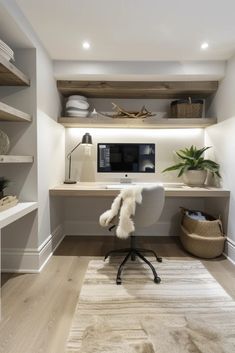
{"points": [[193, 166], [3, 184]]}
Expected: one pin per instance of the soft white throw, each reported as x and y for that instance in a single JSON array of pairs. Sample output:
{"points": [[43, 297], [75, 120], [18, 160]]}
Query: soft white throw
{"points": [[124, 204]]}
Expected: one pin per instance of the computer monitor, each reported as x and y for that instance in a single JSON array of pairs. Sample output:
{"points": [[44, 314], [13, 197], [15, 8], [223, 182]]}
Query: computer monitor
{"points": [[126, 158]]}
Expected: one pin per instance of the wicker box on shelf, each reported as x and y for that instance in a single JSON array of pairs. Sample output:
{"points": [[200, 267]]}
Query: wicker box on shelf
{"points": [[187, 108]]}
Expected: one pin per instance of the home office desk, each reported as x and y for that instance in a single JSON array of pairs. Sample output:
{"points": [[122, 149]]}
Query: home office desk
{"points": [[99, 189], [78, 202]]}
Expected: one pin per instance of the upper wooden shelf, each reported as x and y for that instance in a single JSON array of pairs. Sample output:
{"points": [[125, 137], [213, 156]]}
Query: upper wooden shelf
{"points": [[10, 75], [148, 123], [8, 113], [138, 89]]}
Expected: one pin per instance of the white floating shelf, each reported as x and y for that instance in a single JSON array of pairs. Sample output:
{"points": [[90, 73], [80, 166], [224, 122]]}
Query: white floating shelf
{"points": [[12, 214], [8, 113], [148, 123], [15, 159]]}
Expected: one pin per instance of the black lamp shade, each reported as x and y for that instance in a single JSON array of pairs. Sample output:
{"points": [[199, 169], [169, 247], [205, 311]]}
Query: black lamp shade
{"points": [[86, 139]]}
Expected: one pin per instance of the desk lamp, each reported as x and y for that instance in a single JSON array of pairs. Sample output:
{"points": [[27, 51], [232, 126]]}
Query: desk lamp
{"points": [[86, 140]]}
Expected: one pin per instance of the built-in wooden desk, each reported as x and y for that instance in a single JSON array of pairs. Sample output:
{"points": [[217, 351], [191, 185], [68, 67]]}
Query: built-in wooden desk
{"points": [[212, 200], [100, 189]]}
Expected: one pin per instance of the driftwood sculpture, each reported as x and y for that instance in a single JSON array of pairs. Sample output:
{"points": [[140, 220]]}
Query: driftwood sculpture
{"points": [[122, 113]]}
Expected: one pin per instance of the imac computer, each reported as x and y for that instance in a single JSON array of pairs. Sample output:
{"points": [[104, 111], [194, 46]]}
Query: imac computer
{"points": [[126, 158]]}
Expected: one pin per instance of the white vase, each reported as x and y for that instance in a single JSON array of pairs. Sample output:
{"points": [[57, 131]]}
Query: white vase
{"points": [[195, 177]]}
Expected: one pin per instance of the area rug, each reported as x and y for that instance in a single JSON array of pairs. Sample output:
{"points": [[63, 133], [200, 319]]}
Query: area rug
{"points": [[188, 312]]}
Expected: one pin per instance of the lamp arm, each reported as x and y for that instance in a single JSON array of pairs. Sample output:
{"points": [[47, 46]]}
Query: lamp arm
{"points": [[69, 154]]}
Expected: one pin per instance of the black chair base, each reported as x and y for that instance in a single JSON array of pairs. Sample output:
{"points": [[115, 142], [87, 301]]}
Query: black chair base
{"points": [[132, 253]]}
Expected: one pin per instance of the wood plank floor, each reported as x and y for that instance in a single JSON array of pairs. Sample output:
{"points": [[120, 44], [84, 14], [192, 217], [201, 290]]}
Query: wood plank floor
{"points": [[37, 309]]}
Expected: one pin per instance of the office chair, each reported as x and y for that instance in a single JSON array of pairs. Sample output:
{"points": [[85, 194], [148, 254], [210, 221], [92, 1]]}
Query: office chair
{"points": [[146, 214]]}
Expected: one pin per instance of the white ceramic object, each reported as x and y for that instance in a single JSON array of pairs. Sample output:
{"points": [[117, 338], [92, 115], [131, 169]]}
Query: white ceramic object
{"points": [[5, 47], [78, 113], [195, 177], [76, 97], [4, 143], [6, 51], [6, 56], [84, 105]]}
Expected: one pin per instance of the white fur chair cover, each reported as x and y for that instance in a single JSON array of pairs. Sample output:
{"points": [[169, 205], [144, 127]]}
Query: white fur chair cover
{"points": [[124, 204]]}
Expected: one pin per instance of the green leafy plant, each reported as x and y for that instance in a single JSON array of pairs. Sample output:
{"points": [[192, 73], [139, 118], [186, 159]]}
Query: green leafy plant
{"points": [[192, 159], [3, 183]]}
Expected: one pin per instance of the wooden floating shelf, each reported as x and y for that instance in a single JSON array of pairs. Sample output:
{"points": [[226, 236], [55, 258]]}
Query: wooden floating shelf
{"points": [[8, 113], [15, 159], [148, 123], [138, 89], [12, 214], [10, 75]]}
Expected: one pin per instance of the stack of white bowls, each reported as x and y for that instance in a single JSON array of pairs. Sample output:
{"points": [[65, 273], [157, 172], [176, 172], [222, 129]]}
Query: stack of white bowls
{"points": [[6, 51], [77, 106]]}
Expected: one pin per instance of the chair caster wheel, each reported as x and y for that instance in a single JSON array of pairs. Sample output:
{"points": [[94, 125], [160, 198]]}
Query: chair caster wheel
{"points": [[159, 259], [157, 279], [118, 281]]}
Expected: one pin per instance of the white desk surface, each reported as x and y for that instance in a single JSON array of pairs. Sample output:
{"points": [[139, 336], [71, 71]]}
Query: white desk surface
{"points": [[104, 189]]}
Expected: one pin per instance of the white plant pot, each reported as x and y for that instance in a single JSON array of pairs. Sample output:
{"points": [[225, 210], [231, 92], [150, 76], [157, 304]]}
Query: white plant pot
{"points": [[195, 177]]}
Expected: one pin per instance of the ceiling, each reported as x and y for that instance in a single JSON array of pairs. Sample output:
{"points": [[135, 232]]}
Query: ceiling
{"points": [[139, 30]]}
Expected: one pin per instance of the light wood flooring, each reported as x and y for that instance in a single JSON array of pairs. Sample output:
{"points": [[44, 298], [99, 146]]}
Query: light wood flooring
{"points": [[37, 309]]}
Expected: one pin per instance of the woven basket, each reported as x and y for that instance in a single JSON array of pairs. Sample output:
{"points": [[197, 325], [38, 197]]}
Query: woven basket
{"points": [[186, 108], [204, 239]]}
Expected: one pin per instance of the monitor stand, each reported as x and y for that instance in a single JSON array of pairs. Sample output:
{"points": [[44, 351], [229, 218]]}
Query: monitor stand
{"points": [[125, 180]]}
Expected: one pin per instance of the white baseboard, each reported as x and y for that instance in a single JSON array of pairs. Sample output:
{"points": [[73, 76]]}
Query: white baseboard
{"points": [[31, 260], [88, 228], [229, 250]]}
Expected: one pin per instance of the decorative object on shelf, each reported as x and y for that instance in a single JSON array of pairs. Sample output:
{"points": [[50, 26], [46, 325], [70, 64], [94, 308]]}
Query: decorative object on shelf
{"points": [[122, 113], [7, 202], [3, 185], [187, 108], [6, 51], [86, 140], [77, 106], [94, 114], [201, 234], [193, 167], [4, 143]]}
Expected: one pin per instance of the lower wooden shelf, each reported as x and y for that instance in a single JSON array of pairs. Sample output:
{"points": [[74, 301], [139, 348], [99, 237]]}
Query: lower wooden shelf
{"points": [[12, 214], [15, 159], [148, 123], [8, 113]]}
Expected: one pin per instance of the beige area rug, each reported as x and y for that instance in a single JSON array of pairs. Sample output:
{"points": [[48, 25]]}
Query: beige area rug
{"points": [[188, 312]]}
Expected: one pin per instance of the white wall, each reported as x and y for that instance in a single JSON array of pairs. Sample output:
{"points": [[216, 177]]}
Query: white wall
{"points": [[221, 137], [82, 214], [46, 143], [137, 71], [50, 146], [84, 167]]}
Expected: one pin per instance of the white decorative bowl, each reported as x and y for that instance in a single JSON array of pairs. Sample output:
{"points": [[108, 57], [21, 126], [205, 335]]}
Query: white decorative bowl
{"points": [[84, 105], [76, 97]]}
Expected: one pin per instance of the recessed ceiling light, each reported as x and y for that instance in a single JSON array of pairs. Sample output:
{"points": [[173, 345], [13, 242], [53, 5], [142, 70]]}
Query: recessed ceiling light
{"points": [[204, 45], [86, 45]]}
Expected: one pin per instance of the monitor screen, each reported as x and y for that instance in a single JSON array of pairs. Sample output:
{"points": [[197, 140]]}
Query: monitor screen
{"points": [[126, 157]]}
